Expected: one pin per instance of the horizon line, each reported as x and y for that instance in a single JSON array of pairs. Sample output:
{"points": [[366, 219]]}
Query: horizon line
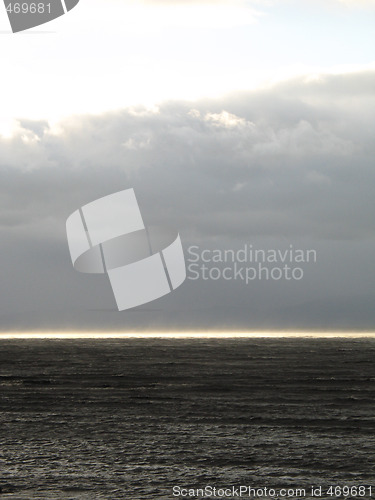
{"points": [[224, 334]]}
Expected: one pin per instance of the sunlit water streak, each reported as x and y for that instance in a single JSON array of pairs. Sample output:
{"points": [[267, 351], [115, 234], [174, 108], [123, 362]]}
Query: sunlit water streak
{"points": [[186, 335]]}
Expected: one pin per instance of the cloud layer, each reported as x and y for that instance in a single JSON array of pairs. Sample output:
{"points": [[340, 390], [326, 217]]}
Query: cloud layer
{"points": [[293, 163]]}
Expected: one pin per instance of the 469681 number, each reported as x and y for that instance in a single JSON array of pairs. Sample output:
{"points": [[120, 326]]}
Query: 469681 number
{"points": [[349, 491], [29, 8]]}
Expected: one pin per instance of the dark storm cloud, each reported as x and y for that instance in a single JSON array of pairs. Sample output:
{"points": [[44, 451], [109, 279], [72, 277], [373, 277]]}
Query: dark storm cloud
{"points": [[291, 162]]}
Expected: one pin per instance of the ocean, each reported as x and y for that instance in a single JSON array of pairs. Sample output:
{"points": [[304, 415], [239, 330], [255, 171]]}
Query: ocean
{"points": [[141, 419]]}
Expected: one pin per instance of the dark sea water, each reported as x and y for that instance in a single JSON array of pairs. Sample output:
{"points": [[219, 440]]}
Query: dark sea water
{"points": [[130, 419]]}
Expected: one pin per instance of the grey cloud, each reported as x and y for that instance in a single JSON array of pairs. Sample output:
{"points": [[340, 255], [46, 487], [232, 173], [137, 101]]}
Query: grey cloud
{"points": [[290, 164]]}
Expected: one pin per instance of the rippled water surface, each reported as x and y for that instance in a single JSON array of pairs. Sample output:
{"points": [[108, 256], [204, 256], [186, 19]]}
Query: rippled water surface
{"points": [[130, 419]]}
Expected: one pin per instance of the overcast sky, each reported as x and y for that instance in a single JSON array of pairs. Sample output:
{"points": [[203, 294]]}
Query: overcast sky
{"points": [[235, 122]]}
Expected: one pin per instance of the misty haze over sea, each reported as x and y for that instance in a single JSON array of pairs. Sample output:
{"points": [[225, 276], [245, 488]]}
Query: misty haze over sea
{"points": [[131, 418]]}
